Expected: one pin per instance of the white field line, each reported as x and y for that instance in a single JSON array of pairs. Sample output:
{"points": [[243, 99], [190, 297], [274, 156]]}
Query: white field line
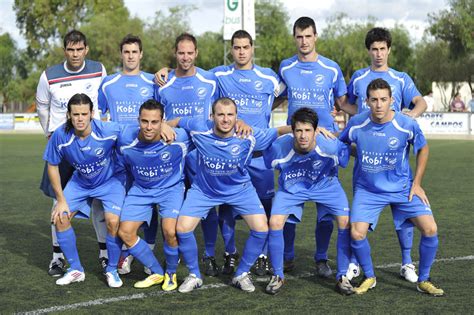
{"points": [[140, 296]]}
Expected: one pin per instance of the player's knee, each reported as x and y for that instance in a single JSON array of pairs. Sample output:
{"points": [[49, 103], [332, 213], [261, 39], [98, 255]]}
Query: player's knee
{"points": [[127, 236], [276, 223], [429, 230], [63, 225], [170, 235], [113, 225], [182, 227], [343, 222], [357, 235]]}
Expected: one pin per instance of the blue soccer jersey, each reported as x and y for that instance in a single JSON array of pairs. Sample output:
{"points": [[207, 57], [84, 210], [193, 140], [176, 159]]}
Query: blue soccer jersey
{"points": [[299, 172], [402, 86], [188, 96], [156, 164], [382, 163], [222, 162], [252, 90], [313, 85], [122, 95], [93, 157]]}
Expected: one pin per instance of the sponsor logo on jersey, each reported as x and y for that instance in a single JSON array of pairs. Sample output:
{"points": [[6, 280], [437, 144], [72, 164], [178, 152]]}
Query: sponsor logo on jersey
{"points": [[235, 150], [306, 72], [131, 85], [99, 152], [165, 156], [220, 143], [85, 148], [201, 92], [393, 142], [319, 79], [258, 85], [149, 152], [65, 85], [378, 134], [199, 110], [187, 87]]}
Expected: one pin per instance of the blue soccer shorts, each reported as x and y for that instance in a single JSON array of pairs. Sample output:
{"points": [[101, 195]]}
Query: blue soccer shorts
{"points": [[330, 198], [139, 202], [79, 198], [367, 206], [262, 178], [197, 204]]}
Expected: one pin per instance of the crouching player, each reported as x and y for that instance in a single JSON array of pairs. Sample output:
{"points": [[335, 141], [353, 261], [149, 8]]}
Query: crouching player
{"points": [[308, 164], [89, 146], [157, 170], [382, 177], [222, 178]]}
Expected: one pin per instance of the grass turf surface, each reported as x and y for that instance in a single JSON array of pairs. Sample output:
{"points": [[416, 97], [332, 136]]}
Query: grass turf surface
{"points": [[25, 251]]}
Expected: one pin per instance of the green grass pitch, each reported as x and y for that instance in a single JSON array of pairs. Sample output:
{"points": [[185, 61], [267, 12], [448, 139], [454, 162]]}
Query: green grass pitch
{"points": [[25, 252]]}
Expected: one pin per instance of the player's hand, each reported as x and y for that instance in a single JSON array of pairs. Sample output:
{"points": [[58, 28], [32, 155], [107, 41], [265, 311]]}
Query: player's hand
{"points": [[334, 112], [416, 190], [326, 133], [242, 129], [161, 77], [167, 133], [411, 114], [60, 212]]}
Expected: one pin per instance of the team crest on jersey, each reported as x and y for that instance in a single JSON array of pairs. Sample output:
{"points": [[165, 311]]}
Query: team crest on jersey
{"points": [[201, 92], [393, 143], [99, 152], [89, 87], [235, 150], [144, 92], [165, 156], [319, 79], [258, 85], [317, 164]]}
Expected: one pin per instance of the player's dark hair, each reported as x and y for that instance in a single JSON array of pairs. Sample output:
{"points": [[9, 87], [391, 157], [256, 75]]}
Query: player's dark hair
{"points": [[74, 37], [378, 84], [77, 99], [378, 34], [185, 36], [304, 115], [303, 23], [131, 39], [223, 101], [241, 34], [152, 104]]}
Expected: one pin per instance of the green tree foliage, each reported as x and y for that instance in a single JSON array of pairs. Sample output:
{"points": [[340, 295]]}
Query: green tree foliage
{"points": [[211, 50], [159, 37], [274, 41], [8, 60]]}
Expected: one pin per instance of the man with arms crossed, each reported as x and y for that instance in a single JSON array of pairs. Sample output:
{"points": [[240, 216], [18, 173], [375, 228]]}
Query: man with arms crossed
{"points": [[382, 177], [378, 42], [56, 86], [315, 82]]}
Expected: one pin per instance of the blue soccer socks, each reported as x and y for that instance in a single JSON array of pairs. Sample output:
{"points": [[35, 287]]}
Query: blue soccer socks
{"points": [[343, 251], [114, 249], [289, 234], [276, 245], [322, 234], [143, 253], [188, 248], [405, 238], [253, 248], [172, 258], [362, 251], [67, 242], [428, 248]]}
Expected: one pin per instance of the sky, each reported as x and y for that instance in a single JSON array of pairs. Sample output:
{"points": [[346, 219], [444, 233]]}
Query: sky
{"points": [[209, 15]]}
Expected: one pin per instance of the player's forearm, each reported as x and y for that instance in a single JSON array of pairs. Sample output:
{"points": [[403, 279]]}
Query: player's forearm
{"points": [[420, 106], [283, 130], [55, 180], [347, 107], [421, 162], [173, 123], [43, 115]]}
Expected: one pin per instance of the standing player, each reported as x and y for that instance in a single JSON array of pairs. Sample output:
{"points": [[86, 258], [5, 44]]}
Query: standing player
{"points": [[89, 146], [56, 86], [383, 177], [308, 164], [378, 42], [157, 171], [222, 178], [315, 82], [190, 92], [121, 95]]}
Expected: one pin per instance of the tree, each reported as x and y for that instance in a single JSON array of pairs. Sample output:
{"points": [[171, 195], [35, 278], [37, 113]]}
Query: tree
{"points": [[274, 41], [211, 50], [8, 60]]}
